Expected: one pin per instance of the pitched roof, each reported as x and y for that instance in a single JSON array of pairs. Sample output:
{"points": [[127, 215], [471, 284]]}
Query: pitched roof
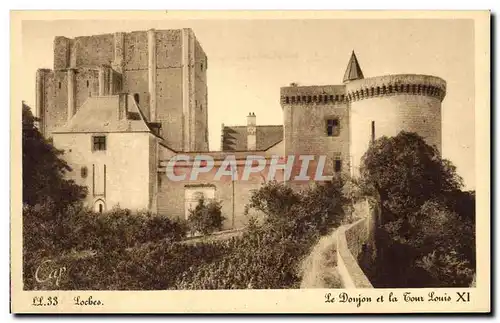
{"points": [[353, 71], [100, 114], [234, 138]]}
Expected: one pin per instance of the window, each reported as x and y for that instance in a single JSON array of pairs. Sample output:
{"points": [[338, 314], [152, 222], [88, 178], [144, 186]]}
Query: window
{"points": [[59, 85], [87, 83], [332, 127], [99, 206], [84, 171], [99, 143], [373, 131], [338, 165]]}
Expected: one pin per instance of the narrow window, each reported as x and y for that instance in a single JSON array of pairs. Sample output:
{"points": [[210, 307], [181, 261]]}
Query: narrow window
{"points": [[59, 85], [373, 131], [84, 172], [338, 165], [332, 127], [87, 83], [99, 143], [100, 207], [104, 184]]}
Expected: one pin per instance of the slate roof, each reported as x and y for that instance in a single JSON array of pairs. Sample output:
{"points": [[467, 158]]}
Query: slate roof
{"points": [[234, 138], [353, 71], [100, 114]]}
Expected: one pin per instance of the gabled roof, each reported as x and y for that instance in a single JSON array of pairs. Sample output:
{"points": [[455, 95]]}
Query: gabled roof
{"points": [[234, 138], [100, 114], [353, 71]]}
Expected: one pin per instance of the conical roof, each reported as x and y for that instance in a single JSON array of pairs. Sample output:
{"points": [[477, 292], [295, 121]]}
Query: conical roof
{"points": [[353, 71]]}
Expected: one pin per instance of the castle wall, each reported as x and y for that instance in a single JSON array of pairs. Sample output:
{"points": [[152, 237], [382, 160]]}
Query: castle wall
{"points": [[62, 52], [90, 51], [127, 166], [397, 103], [55, 100], [169, 87], [135, 66], [200, 106], [306, 111], [234, 195], [87, 85], [62, 92]]}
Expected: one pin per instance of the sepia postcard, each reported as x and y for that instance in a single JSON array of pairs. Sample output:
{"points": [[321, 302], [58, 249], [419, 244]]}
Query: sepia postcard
{"points": [[250, 162]]}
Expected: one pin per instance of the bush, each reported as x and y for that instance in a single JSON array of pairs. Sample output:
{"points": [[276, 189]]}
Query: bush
{"points": [[267, 255], [64, 236], [206, 217], [270, 253]]}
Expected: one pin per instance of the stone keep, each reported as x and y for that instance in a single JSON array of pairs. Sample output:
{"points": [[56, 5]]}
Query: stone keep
{"points": [[164, 69]]}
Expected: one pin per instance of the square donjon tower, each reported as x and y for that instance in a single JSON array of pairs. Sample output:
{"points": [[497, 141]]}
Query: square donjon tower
{"points": [[165, 70]]}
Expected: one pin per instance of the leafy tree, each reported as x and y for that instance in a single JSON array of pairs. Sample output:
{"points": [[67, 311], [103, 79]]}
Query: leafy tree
{"points": [[426, 236], [206, 217], [407, 172], [44, 169]]}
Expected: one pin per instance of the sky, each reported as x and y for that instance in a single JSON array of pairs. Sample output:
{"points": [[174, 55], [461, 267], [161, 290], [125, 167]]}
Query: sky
{"points": [[249, 60]]}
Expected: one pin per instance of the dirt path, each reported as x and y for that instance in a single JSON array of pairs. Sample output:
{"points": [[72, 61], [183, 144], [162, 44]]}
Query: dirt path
{"points": [[320, 267]]}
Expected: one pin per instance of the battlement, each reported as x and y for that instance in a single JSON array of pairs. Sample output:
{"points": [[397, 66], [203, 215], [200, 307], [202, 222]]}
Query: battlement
{"points": [[316, 94], [390, 85]]}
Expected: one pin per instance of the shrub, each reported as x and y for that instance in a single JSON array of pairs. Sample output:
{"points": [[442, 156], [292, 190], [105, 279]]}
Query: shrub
{"points": [[63, 236], [206, 217]]}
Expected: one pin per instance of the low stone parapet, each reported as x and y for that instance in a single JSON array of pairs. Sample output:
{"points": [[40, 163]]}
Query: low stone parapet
{"points": [[350, 241]]}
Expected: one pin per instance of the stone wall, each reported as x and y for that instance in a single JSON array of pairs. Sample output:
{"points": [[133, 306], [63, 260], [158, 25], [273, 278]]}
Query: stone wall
{"points": [[306, 110], [386, 105], [355, 243], [127, 167], [351, 274], [234, 194]]}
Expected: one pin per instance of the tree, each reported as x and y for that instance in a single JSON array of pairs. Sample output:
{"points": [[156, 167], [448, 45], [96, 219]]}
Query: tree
{"points": [[206, 217], [426, 236], [44, 169], [406, 172]]}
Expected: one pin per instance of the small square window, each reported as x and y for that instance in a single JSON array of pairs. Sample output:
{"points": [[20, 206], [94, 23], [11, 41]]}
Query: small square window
{"points": [[332, 127], [99, 143]]}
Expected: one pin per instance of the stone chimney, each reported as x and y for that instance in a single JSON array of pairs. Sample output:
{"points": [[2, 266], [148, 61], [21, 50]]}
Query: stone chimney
{"points": [[251, 131]]}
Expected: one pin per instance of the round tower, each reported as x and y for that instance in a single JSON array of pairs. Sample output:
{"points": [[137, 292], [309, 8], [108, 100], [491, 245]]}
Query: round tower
{"points": [[386, 105]]}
